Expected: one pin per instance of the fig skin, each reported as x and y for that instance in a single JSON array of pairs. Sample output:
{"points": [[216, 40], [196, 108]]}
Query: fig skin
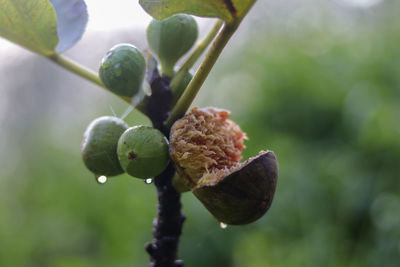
{"points": [[122, 70], [99, 145], [244, 195], [143, 151], [171, 38]]}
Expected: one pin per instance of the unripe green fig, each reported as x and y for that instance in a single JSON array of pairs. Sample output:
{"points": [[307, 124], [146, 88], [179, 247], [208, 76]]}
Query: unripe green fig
{"points": [[171, 38], [99, 145], [143, 151], [122, 70]]}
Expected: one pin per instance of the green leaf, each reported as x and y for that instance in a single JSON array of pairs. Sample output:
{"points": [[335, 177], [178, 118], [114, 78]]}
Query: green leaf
{"points": [[228, 10], [32, 24]]}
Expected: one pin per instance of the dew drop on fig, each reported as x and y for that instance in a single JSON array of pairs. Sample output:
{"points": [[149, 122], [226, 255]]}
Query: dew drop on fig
{"points": [[101, 179], [223, 225], [148, 181]]}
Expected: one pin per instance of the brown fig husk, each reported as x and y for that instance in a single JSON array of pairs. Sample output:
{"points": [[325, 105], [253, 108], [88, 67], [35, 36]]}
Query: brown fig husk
{"points": [[244, 195], [206, 148]]}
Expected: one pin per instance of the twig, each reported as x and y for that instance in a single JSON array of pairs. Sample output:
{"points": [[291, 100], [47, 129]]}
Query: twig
{"points": [[205, 67], [85, 73], [167, 227], [168, 224]]}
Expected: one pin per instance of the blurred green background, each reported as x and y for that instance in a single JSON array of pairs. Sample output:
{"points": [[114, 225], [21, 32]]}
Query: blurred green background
{"points": [[318, 83]]}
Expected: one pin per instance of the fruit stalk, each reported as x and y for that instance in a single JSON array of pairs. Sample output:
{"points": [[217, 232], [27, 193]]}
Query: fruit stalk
{"points": [[85, 73], [76, 68], [194, 56], [205, 67]]}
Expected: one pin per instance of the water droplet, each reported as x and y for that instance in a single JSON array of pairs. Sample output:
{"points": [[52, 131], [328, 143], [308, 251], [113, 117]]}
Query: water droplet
{"points": [[101, 179], [148, 181], [223, 225]]}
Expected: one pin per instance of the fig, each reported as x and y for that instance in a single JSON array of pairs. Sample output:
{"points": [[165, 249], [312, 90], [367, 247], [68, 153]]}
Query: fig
{"points": [[143, 151], [122, 70], [206, 148], [171, 38], [99, 145], [245, 194]]}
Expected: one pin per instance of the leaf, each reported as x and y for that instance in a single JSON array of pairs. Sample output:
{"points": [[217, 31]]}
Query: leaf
{"points": [[227, 10], [43, 26], [32, 24], [72, 18]]}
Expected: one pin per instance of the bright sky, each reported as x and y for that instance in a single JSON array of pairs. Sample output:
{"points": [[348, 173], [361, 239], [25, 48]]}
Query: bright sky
{"points": [[109, 15]]}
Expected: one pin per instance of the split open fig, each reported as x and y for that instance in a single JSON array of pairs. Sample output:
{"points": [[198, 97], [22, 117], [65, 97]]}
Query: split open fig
{"points": [[206, 148], [244, 195]]}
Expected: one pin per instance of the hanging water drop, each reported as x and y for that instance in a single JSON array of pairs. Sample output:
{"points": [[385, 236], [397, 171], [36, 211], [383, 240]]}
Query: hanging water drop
{"points": [[101, 179], [148, 181], [223, 225]]}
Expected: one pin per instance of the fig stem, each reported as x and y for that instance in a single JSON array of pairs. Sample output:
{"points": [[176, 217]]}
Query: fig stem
{"points": [[85, 73], [167, 69], [201, 46], [184, 102], [77, 68], [195, 84]]}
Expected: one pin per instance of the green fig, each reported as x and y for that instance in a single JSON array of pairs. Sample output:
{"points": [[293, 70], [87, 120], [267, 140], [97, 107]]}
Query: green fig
{"points": [[171, 38], [99, 145], [143, 151], [122, 70]]}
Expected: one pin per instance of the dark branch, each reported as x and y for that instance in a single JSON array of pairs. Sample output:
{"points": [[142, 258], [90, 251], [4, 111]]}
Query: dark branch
{"points": [[159, 103], [168, 225]]}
